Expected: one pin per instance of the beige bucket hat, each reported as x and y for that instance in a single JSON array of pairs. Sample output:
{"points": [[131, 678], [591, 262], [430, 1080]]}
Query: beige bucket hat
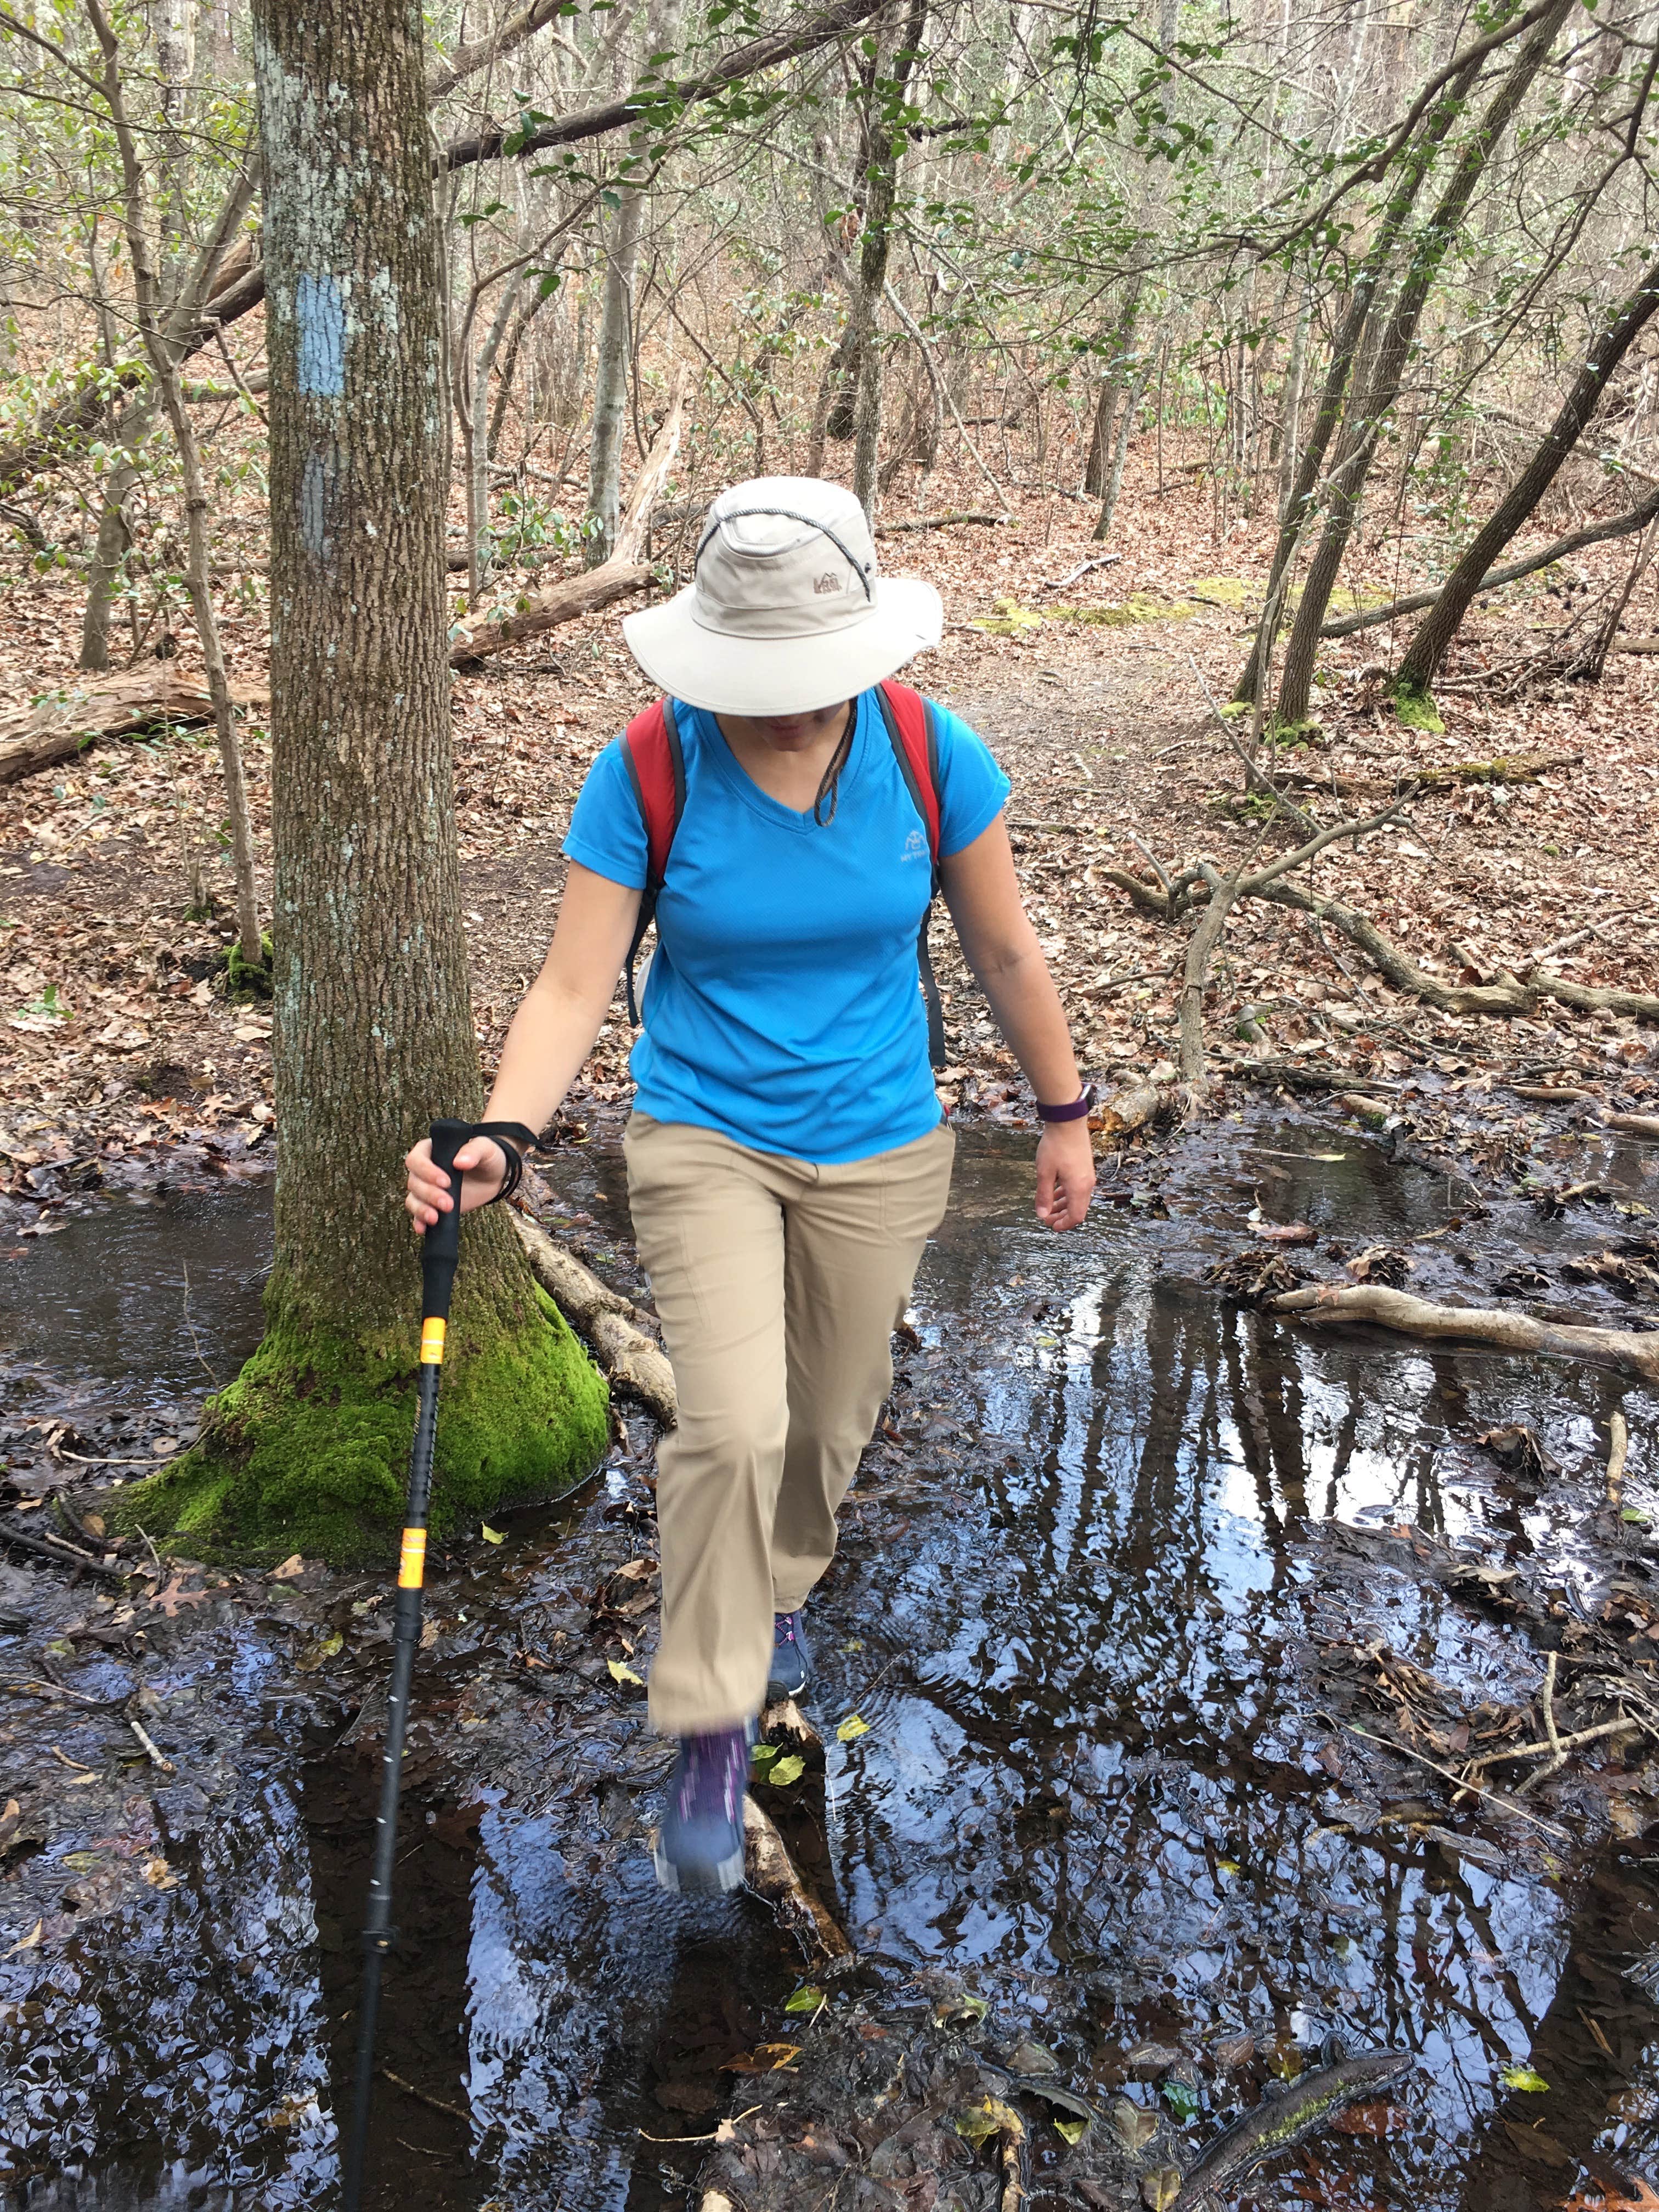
{"points": [[784, 612]]}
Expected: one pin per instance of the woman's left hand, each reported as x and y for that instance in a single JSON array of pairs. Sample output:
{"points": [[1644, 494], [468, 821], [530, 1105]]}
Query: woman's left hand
{"points": [[1065, 1174]]}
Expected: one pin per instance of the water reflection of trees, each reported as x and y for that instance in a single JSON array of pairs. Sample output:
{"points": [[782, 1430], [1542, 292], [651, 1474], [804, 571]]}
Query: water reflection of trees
{"points": [[1112, 1684]]}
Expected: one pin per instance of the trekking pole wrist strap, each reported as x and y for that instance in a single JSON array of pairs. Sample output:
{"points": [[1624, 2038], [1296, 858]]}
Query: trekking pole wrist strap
{"points": [[514, 1140]]}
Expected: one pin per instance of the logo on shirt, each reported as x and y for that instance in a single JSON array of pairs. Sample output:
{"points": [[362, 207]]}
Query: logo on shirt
{"points": [[915, 847]]}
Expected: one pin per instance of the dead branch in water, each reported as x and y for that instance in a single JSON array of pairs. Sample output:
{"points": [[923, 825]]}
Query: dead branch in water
{"points": [[1632, 1354]]}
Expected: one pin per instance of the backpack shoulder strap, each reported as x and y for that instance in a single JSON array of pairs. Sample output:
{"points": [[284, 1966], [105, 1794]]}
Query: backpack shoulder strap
{"points": [[656, 768], [656, 761], [913, 735]]}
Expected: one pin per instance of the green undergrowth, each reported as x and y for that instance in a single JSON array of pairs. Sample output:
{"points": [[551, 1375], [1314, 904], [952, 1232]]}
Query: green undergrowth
{"points": [[307, 1450]]}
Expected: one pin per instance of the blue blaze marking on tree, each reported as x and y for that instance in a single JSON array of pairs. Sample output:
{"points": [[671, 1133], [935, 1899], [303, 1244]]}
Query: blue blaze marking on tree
{"points": [[319, 313]]}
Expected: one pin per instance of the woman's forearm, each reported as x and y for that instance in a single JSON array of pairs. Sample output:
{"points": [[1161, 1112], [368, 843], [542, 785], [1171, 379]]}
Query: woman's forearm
{"points": [[551, 1035], [1029, 1013]]}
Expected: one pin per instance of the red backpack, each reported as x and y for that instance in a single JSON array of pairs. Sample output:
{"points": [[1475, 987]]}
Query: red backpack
{"points": [[656, 768]]}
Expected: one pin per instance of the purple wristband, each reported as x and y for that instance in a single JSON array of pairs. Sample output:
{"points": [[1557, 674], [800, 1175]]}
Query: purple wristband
{"points": [[1074, 1112]]}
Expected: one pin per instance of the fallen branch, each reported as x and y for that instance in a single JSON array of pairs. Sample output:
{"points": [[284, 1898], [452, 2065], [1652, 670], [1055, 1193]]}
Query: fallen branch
{"points": [[616, 578], [1200, 945], [1618, 1447], [1510, 995], [1632, 1125], [1494, 580], [1494, 1797], [770, 1873], [1631, 1353], [60, 1553], [66, 720], [605, 1320], [1131, 1108], [938, 521]]}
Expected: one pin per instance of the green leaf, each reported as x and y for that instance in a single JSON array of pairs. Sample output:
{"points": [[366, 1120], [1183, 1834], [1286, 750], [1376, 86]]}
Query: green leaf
{"points": [[1074, 2130], [491, 1535], [621, 1673], [762, 1755], [1180, 2098], [1523, 2077], [787, 1771], [806, 1999], [1631, 1513], [851, 1727]]}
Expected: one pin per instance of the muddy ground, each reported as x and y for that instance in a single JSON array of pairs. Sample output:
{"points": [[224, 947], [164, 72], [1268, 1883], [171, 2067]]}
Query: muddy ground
{"points": [[1170, 1631]]}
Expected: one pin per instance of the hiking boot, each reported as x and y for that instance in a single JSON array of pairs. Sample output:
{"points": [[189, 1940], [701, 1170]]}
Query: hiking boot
{"points": [[700, 1844], [791, 1666]]}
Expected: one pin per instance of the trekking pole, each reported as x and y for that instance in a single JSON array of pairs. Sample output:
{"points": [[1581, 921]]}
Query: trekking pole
{"points": [[440, 1249]]}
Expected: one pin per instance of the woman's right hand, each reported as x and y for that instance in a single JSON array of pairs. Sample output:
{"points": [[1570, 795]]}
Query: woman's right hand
{"points": [[429, 1192]]}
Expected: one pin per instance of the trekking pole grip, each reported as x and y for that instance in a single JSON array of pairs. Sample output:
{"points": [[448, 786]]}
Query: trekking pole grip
{"points": [[441, 1247]]}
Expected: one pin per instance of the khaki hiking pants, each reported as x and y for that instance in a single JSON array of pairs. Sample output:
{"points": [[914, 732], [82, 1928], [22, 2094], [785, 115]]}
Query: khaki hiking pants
{"points": [[779, 1284]]}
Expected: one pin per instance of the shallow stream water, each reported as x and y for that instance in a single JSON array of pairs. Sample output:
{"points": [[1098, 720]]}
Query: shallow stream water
{"points": [[1087, 1582]]}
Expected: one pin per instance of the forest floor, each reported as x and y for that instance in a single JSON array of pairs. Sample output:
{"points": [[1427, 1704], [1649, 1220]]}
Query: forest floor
{"points": [[1098, 696]]}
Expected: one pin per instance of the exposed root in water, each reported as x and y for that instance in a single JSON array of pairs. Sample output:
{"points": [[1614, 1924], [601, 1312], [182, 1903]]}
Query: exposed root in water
{"points": [[1632, 1354], [772, 1873]]}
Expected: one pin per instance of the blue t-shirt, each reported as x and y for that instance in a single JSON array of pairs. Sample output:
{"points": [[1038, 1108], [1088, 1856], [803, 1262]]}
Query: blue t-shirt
{"points": [[783, 1006]]}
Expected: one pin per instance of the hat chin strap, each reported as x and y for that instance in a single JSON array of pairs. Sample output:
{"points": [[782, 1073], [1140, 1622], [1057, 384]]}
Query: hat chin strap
{"points": [[788, 514]]}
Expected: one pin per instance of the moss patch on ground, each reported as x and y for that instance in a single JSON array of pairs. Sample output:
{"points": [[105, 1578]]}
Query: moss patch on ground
{"points": [[1010, 619], [1414, 709], [307, 1450]]}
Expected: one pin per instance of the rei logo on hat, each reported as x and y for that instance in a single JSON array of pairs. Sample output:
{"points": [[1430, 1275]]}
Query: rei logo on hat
{"points": [[826, 583]]}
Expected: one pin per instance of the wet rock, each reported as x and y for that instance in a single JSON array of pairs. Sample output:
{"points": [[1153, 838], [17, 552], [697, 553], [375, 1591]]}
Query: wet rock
{"points": [[1147, 2061]]}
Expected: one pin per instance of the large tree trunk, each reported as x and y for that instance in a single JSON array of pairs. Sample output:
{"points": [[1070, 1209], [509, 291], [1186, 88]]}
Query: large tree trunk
{"points": [[307, 1450], [1428, 647], [1370, 405]]}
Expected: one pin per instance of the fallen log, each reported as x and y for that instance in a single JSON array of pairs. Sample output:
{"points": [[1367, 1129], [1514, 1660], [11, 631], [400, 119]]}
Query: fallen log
{"points": [[615, 579], [66, 720], [1508, 995], [770, 1873], [605, 1320], [1630, 1353], [1628, 1125], [539, 611], [1131, 1108]]}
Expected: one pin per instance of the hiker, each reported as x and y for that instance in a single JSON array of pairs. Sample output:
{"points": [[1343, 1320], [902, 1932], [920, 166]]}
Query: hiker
{"points": [[788, 814]]}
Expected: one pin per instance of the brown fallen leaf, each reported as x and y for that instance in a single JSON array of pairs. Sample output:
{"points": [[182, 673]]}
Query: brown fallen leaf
{"points": [[169, 1600], [764, 2059], [289, 1568], [1160, 2188]]}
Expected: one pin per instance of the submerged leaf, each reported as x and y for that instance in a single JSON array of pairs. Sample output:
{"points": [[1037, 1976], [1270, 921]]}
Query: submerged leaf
{"points": [[851, 1727], [1160, 2188], [805, 1999], [1132, 2124], [1523, 2077], [1074, 2130]]}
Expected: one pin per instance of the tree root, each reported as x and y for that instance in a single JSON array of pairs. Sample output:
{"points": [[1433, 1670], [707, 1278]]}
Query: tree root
{"points": [[771, 1873], [1629, 1352], [605, 1320]]}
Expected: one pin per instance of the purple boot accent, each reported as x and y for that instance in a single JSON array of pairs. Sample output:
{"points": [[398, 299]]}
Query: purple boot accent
{"points": [[700, 1844], [791, 1665]]}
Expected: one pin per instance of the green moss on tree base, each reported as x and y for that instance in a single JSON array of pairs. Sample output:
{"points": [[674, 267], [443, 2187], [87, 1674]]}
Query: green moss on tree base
{"points": [[1414, 709], [307, 1450]]}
